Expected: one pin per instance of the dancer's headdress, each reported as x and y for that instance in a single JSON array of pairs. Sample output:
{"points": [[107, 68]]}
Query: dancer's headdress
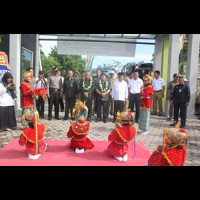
{"points": [[80, 110], [175, 136], [148, 78], [33, 116], [125, 116], [26, 74]]}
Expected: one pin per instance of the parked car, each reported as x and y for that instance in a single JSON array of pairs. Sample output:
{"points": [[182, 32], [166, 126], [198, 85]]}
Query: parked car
{"points": [[146, 66]]}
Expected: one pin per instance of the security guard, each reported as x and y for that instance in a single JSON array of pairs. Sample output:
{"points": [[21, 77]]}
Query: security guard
{"points": [[54, 90], [170, 90], [180, 99]]}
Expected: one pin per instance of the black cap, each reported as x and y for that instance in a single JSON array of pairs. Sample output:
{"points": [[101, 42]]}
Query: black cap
{"points": [[175, 75], [120, 73], [41, 72]]}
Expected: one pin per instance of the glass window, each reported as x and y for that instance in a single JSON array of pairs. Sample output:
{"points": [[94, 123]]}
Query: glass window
{"points": [[27, 59]]}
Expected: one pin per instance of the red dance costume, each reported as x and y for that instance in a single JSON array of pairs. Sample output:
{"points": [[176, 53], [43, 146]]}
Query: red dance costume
{"points": [[27, 92], [145, 102], [28, 138], [78, 132], [120, 138], [170, 157]]}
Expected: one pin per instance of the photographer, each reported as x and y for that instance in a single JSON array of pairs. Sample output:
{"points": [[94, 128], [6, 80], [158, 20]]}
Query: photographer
{"points": [[7, 103], [41, 82]]}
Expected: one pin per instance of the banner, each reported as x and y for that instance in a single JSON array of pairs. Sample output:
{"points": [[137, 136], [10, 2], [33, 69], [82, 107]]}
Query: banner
{"points": [[95, 48], [4, 66]]}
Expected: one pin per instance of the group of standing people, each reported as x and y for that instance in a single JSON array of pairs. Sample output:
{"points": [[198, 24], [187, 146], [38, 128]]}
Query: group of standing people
{"points": [[102, 93]]}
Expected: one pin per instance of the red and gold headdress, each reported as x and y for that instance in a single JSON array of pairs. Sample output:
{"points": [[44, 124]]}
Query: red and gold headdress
{"points": [[27, 74], [175, 136], [148, 78], [80, 110], [126, 116]]}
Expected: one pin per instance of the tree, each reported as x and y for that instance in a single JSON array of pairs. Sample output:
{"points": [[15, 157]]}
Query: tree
{"points": [[63, 62]]}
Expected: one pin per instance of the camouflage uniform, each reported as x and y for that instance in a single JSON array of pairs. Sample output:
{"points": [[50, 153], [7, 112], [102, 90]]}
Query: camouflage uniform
{"points": [[170, 87]]}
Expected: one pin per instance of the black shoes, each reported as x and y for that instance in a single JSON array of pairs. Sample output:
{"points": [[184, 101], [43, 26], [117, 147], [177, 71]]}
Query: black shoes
{"points": [[98, 120]]}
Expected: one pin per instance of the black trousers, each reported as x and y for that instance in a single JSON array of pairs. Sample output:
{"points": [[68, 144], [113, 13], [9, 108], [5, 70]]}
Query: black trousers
{"points": [[40, 106], [134, 100], [54, 100], [182, 107], [69, 105], [89, 105], [61, 104], [105, 109], [118, 106]]}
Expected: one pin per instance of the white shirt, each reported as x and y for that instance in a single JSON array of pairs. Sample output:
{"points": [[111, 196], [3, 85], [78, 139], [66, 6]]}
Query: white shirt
{"points": [[120, 90], [135, 85], [5, 98], [158, 84], [41, 83]]}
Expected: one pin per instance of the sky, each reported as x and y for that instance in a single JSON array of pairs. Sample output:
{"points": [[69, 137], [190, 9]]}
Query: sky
{"points": [[143, 53]]}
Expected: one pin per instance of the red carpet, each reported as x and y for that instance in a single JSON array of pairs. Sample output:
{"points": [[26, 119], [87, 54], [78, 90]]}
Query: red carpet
{"points": [[59, 154]]}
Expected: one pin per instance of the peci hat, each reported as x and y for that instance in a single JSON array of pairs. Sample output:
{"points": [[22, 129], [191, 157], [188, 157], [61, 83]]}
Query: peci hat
{"points": [[55, 69]]}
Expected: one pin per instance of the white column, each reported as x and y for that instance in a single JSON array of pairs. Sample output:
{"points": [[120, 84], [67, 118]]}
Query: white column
{"points": [[15, 63], [192, 70], [173, 61], [158, 52], [37, 63]]}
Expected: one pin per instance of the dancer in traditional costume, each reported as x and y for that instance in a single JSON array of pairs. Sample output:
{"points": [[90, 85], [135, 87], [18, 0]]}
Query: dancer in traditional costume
{"points": [[145, 104], [33, 137], [121, 136], [173, 151], [28, 94], [79, 130]]}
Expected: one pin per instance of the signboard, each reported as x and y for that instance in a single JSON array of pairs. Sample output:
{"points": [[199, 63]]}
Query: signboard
{"points": [[95, 48], [4, 66]]}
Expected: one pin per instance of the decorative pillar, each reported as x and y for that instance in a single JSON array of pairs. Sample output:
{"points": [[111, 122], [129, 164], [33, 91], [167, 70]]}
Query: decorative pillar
{"points": [[173, 62], [158, 53], [164, 65], [192, 71], [15, 63]]}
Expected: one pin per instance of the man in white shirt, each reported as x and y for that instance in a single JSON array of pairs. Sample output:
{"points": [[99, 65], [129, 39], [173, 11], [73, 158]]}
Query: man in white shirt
{"points": [[134, 88], [158, 93], [41, 82], [119, 94]]}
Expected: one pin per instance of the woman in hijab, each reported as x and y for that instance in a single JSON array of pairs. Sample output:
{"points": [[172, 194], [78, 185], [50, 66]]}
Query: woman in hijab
{"points": [[7, 103]]}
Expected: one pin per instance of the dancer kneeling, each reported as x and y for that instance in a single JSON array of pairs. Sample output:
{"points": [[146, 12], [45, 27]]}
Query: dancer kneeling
{"points": [[173, 151], [121, 136], [79, 130], [33, 136]]}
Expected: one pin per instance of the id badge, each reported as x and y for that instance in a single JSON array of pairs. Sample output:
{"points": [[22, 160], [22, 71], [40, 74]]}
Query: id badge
{"points": [[180, 90]]}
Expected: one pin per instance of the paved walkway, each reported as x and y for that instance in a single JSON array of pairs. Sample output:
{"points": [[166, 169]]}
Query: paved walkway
{"points": [[57, 130]]}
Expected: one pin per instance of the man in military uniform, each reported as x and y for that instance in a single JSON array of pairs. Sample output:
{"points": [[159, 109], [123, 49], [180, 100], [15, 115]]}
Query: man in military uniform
{"points": [[54, 90], [70, 90], [170, 89], [180, 99], [86, 89]]}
